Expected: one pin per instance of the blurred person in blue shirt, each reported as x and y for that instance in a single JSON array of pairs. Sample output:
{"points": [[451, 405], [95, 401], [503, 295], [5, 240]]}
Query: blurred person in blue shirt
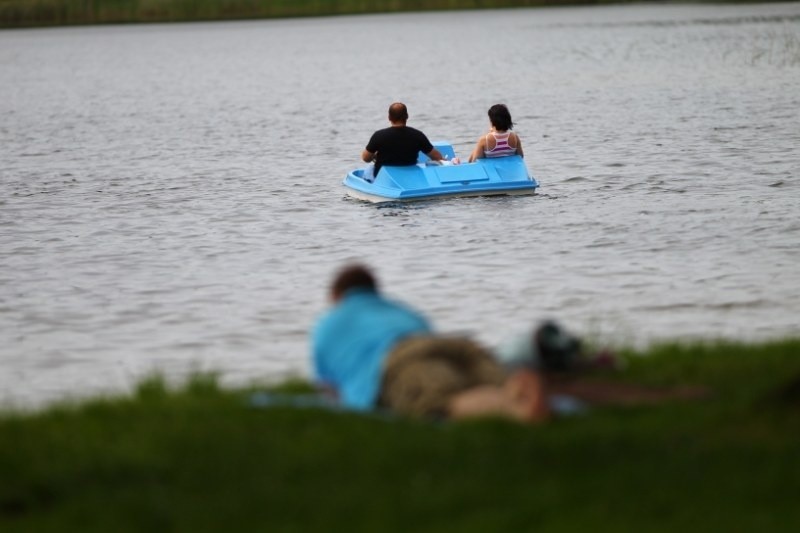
{"points": [[352, 340], [373, 352]]}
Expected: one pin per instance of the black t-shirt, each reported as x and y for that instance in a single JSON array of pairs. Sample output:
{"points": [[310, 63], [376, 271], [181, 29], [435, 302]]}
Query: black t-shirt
{"points": [[398, 145]]}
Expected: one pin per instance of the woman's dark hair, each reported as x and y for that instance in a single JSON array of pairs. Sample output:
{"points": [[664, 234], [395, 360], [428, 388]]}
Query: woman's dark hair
{"points": [[500, 117], [350, 277]]}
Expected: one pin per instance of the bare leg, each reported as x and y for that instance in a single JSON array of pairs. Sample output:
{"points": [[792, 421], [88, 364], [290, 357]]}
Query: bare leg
{"points": [[522, 397]]}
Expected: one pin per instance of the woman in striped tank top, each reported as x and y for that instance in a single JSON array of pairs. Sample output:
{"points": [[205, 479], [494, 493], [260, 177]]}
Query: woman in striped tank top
{"points": [[500, 141]]}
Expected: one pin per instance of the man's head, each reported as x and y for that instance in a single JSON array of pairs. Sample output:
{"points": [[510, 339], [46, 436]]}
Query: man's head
{"points": [[398, 113], [352, 277]]}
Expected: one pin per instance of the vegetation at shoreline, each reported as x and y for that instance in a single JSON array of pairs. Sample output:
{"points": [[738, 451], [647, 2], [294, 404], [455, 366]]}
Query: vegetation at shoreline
{"points": [[29, 13], [42, 13], [200, 458]]}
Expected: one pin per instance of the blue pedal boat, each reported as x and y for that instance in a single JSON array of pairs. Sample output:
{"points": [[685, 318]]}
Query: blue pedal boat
{"points": [[429, 179]]}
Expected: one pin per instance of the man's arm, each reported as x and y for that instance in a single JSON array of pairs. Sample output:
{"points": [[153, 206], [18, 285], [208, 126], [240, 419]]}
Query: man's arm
{"points": [[367, 156], [322, 378], [435, 154], [370, 152]]}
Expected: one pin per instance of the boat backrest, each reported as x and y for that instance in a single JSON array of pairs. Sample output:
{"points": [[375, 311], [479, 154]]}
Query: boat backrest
{"points": [[496, 170], [444, 147]]}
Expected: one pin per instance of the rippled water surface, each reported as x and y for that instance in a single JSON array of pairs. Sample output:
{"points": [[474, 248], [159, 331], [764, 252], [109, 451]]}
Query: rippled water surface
{"points": [[171, 199]]}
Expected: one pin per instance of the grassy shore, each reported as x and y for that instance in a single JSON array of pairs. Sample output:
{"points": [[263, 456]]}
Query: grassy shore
{"points": [[28, 13], [200, 458]]}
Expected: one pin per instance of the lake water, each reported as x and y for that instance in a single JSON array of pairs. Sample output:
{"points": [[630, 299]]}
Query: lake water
{"points": [[171, 198]]}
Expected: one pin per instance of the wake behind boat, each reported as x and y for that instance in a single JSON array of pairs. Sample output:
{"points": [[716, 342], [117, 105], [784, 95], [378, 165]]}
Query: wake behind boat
{"points": [[429, 179]]}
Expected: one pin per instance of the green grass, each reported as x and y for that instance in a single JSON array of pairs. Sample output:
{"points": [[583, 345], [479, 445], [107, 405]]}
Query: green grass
{"points": [[200, 458]]}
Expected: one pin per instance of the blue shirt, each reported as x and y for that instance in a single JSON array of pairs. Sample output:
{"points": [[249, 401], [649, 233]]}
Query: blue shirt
{"points": [[351, 341]]}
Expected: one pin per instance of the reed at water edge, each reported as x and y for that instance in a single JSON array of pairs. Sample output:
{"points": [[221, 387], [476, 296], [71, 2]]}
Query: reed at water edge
{"points": [[30, 13]]}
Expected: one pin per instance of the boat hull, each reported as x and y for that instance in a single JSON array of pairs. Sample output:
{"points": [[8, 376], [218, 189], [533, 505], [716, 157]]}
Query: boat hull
{"points": [[423, 181]]}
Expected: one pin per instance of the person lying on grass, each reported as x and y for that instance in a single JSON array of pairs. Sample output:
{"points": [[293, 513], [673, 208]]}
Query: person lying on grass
{"points": [[376, 353]]}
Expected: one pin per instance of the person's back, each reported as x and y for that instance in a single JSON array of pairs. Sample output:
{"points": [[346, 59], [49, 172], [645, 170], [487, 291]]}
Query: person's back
{"points": [[500, 144], [398, 144], [351, 342]]}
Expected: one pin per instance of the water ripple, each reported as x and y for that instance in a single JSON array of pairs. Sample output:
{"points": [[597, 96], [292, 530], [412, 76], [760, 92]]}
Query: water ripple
{"points": [[177, 204]]}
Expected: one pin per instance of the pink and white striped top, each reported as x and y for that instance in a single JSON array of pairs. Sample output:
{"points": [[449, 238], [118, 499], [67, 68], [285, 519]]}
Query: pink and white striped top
{"points": [[501, 148]]}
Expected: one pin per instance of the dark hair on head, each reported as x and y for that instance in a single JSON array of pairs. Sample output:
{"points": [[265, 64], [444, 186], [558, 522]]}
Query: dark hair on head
{"points": [[398, 112], [351, 277], [500, 117]]}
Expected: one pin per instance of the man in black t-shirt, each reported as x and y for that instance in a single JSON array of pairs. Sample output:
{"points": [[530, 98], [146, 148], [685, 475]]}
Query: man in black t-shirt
{"points": [[398, 144]]}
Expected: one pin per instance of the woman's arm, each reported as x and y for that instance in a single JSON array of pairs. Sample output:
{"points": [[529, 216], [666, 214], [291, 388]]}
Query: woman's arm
{"points": [[477, 153], [519, 146]]}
